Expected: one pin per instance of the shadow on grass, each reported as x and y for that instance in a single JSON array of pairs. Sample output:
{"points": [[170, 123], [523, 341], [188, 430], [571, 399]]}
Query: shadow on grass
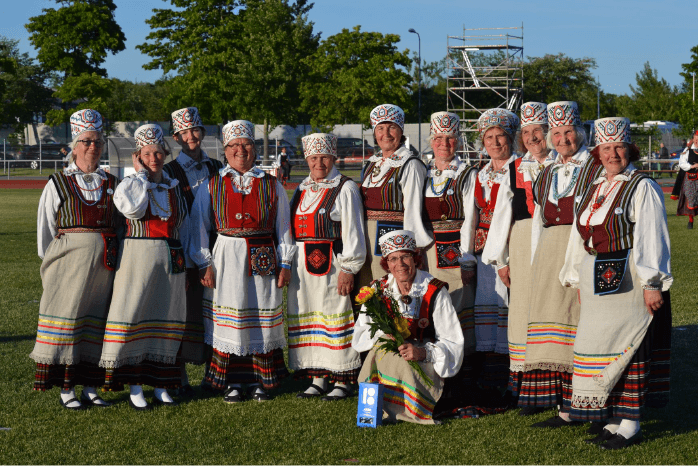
{"points": [[675, 418], [8, 339]]}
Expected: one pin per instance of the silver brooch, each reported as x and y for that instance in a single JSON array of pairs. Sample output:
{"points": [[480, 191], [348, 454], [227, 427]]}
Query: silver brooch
{"points": [[87, 178], [437, 173]]}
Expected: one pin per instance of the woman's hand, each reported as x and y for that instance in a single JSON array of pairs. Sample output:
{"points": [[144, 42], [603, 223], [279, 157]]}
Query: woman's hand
{"points": [[207, 277], [653, 300], [284, 277], [137, 164], [504, 276], [467, 276], [409, 352], [345, 283]]}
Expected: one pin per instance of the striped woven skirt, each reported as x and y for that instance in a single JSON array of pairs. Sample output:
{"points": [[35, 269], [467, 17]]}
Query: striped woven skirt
{"points": [[320, 321], [154, 373], [74, 304], [66, 377], [642, 377], [690, 190], [491, 310], [405, 396], [646, 380], [225, 369], [545, 389], [146, 316]]}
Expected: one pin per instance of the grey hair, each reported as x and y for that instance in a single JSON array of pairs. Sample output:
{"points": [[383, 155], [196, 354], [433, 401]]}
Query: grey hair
{"points": [[75, 140], [519, 138], [581, 138], [511, 140]]}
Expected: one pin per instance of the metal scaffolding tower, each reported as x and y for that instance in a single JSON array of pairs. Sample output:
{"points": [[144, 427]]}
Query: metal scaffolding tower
{"points": [[485, 70]]}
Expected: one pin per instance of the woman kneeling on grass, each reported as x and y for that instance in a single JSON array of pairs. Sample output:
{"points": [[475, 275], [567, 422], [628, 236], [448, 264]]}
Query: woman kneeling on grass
{"points": [[147, 315], [76, 240], [434, 337]]}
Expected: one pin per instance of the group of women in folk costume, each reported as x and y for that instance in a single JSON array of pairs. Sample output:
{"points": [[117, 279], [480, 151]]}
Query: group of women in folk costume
{"points": [[541, 225]]}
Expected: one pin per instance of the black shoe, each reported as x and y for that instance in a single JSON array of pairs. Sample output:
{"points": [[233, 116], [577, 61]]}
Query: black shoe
{"points": [[185, 391], [602, 437], [147, 407], [596, 428], [345, 394], [74, 408], [690, 225], [556, 422], [229, 398], [320, 392], [158, 402], [253, 394], [86, 401], [530, 411], [617, 441]]}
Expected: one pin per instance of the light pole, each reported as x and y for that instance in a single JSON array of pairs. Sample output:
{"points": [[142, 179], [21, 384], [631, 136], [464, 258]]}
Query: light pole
{"points": [[419, 88]]}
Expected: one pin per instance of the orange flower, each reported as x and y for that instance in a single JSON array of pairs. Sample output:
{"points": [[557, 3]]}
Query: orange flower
{"points": [[365, 293]]}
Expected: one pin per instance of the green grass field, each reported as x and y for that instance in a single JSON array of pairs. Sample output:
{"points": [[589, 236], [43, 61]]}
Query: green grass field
{"points": [[291, 431]]}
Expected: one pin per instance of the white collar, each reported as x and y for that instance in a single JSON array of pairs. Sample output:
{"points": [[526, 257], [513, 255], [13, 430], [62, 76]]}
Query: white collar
{"points": [[622, 176], [419, 285], [73, 170], [187, 162], [254, 172], [455, 168], [487, 169], [528, 158], [332, 181], [577, 159], [396, 160]]}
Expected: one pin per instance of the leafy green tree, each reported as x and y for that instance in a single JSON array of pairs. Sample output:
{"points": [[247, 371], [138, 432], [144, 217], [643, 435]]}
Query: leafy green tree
{"points": [[552, 78], [269, 67], [351, 73], [195, 42], [689, 68], [686, 109], [138, 101], [82, 91], [77, 37], [652, 98], [23, 92], [233, 59]]}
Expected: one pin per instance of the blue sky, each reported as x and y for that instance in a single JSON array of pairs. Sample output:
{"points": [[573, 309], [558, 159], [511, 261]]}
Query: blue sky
{"points": [[621, 35]]}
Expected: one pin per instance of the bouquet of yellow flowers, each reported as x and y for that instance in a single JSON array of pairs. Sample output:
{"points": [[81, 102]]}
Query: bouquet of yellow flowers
{"points": [[383, 311]]}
